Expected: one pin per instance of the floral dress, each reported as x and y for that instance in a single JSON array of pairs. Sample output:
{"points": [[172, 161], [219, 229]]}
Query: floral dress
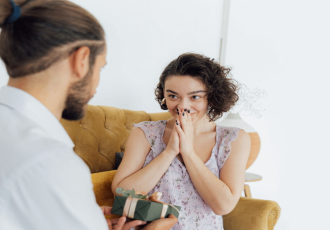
{"points": [[176, 185]]}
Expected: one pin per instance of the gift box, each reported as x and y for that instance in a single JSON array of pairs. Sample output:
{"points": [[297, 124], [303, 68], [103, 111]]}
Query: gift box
{"points": [[144, 210]]}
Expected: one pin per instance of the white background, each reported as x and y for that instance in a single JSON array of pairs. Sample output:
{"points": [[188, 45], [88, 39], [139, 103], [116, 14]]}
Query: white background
{"points": [[283, 47], [280, 46]]}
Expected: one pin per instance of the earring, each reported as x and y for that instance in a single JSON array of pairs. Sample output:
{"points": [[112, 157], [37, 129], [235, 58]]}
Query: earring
{"points": [[164, 101]]}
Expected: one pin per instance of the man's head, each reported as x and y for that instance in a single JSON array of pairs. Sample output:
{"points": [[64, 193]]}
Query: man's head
{"points": [[83, 90], [48, 32]]}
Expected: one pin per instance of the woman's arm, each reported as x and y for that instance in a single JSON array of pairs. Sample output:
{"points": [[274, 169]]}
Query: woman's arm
{"points": [[130, 173], [221, 194]]}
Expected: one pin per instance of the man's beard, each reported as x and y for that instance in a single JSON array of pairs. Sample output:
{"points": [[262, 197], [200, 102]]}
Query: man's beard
{"points": [[77, 98]]}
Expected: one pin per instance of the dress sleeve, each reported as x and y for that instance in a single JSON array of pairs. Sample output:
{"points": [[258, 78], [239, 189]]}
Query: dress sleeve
{"points": [[226, 136], [151, 131]]}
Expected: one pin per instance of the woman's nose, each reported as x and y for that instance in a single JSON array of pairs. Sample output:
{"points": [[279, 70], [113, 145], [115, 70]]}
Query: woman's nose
{"points": [[183, 105]]}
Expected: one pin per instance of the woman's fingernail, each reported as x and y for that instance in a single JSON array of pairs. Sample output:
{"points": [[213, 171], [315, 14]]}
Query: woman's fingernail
{"points": [[177, 123], [144, 222], [188, 111], [177, 109], [185, 110], [182, 114], [178, 113]]}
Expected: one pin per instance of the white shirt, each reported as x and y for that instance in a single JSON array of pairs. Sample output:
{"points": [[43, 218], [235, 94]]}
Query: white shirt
{"points": [[44, 185]]}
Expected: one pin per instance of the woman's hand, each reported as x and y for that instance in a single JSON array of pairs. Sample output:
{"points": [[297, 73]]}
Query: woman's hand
{"points": [[173, 145], [185, 130]]}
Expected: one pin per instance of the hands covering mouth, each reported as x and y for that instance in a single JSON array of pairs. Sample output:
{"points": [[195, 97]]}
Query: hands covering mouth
{"points": [[182, 137], [185, 130]]}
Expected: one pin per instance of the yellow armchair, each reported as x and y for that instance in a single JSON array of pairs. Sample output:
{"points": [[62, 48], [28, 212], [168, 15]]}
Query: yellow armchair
{"points": [[103, 132]]}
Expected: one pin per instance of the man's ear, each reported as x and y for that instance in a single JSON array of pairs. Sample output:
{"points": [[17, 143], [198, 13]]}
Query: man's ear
{"points": [[80, 62]]}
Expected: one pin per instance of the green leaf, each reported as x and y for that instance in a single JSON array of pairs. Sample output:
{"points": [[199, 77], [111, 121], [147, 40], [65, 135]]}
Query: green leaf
{"points": [[119, 190], [143, 197], [126, 194], [133, 193], [138, 196]]}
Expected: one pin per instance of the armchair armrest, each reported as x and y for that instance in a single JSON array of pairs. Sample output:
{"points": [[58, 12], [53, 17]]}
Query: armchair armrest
{"points": [[102, 189], [253, 214], [249, 213]]}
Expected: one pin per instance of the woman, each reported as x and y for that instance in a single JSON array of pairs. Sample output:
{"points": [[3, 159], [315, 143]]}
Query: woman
{"points": [[194, 162]]}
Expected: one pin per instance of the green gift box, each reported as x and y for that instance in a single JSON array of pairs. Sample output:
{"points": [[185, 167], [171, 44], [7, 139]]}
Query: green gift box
{"points": [[144, 210]]}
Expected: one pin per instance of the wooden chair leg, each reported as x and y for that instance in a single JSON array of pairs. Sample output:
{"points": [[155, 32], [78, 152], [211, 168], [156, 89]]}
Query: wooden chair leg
{"points": [[247, 191]]}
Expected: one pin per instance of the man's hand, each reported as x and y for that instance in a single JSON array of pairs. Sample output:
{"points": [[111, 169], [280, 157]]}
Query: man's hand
{"points": [[162, 224], [120, 223]]}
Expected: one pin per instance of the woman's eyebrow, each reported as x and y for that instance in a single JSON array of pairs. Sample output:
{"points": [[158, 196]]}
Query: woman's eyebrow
{"points": [[193, 92], [197, 91], [171, 91]]}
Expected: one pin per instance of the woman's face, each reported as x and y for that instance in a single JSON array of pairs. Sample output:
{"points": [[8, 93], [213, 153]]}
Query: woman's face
{"points": [[186, 92]]}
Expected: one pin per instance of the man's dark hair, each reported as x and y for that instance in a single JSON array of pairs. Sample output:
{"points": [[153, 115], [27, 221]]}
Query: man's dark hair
{"points": [[46, 32]]}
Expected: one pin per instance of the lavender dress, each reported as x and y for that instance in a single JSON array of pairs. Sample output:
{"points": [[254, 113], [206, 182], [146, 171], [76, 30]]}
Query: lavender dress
{"points": [[176, 185]]}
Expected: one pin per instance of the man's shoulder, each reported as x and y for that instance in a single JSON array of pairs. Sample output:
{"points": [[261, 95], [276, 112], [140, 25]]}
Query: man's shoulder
{"points": [[15, 126], [20, 138], [42, 156], [23, 145], [51, 167]]}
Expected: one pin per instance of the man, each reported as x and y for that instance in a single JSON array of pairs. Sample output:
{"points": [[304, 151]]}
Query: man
{"points": [[53, 52]]}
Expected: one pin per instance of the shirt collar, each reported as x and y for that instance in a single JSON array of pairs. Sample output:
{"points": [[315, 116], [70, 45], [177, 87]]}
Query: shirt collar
{"points": [[33, 109]]}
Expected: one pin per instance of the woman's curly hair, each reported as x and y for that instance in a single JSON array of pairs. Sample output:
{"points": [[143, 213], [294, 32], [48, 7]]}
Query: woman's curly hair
{"points": [[221, 90]]}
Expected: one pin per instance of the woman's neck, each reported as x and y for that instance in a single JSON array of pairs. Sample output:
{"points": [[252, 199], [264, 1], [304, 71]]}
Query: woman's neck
{"points": [[204, 126]]}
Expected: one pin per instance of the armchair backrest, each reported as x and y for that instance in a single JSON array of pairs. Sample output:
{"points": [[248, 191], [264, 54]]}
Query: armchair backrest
{"points": [[103, 132]]}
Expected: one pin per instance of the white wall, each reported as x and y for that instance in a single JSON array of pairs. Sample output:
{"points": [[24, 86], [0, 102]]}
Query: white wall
{"points": [[283, 47], [143, 37], [280, 46]]}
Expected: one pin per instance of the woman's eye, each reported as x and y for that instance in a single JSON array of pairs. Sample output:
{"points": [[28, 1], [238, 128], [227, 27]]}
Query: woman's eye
{"points": [[172, 96], [195, 97]]}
